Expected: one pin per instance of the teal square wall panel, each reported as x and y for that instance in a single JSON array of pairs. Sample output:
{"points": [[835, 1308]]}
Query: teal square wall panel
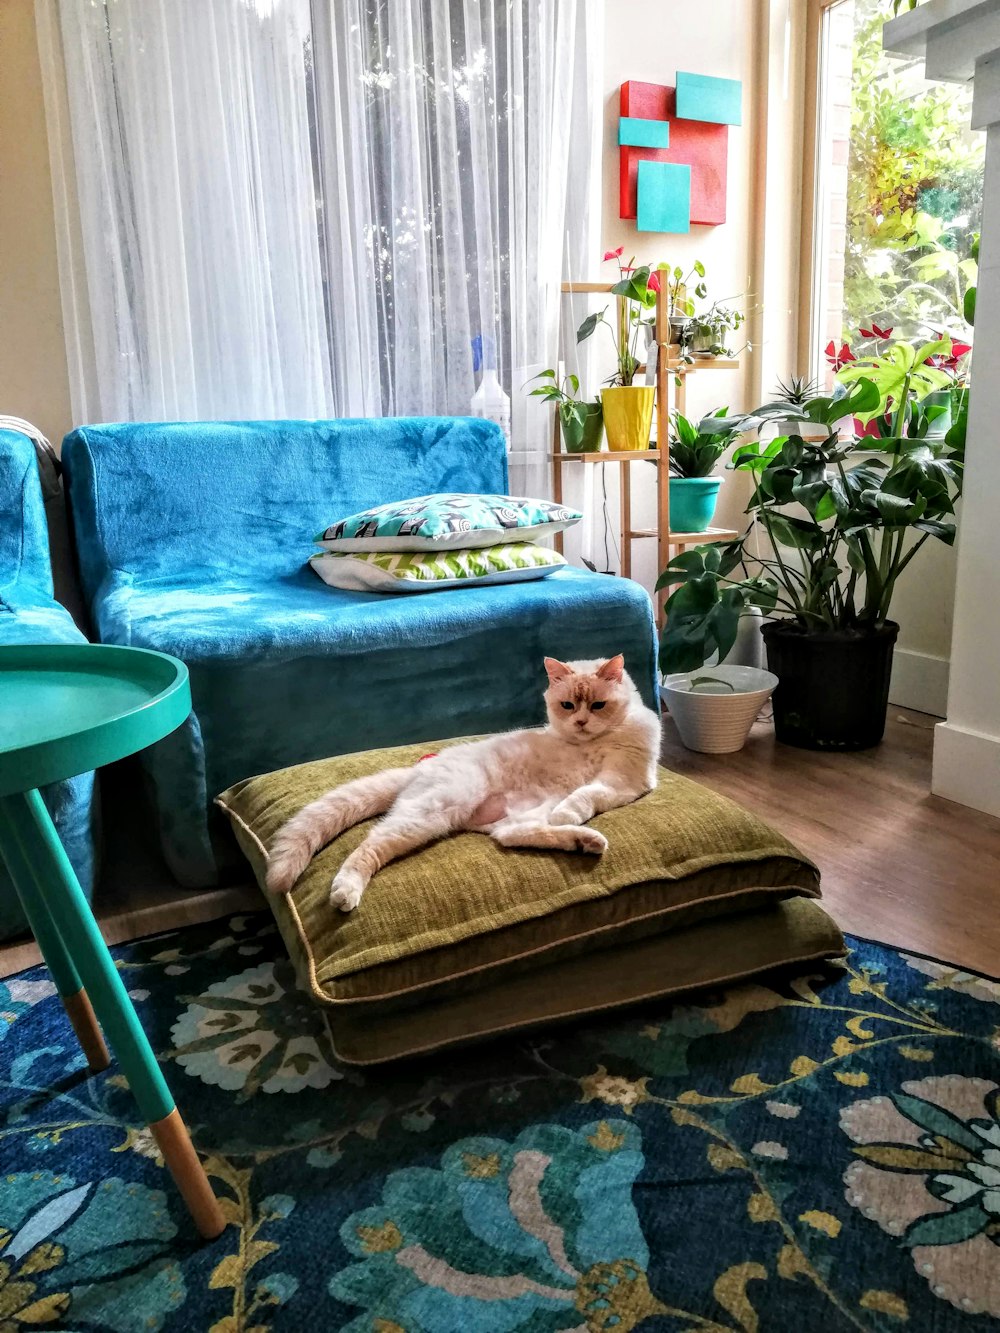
{"points": [[663, 196], [701, 97], [638, 133]]}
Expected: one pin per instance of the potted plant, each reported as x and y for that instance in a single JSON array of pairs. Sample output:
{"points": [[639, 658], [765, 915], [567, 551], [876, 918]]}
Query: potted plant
{"points": [[581, 424], [628, 407], [694, 452], [680, 298], [839, 527], [787, 414], [715, 708], [936, 376], [711, 332]]}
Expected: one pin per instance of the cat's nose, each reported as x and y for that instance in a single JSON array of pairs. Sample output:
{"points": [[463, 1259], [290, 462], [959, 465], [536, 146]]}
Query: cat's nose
{"points": [[581, 721]]}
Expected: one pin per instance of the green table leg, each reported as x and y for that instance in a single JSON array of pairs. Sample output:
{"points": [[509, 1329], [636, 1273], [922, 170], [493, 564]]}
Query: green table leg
{"points": [[51, 893], [53, 950]]}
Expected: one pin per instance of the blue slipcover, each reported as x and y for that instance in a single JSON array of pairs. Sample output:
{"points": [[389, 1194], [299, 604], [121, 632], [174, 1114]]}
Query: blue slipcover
{"points": [[193, 539], [29, 613]]}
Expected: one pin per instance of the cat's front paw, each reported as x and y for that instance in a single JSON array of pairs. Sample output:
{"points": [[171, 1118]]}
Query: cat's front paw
{"points": [[567, 813], [589, 840], [346, 890]]}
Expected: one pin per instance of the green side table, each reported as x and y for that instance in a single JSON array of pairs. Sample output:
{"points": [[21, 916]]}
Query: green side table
{"points": [[65, 709]]}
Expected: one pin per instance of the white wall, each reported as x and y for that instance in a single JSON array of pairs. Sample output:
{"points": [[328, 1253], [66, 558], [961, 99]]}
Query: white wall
{"points": [[34, 383]]}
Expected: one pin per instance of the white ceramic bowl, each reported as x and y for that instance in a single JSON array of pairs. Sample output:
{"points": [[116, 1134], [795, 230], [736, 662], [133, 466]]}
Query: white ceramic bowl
{"points": [[710, 717]]}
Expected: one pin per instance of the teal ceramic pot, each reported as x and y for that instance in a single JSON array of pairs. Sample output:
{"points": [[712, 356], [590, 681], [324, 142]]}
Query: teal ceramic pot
{"points": [[692, 503], [940, 427]]}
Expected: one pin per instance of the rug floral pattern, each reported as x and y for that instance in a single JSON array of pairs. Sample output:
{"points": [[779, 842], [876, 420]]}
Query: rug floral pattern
{"points": [[815, 1153]]}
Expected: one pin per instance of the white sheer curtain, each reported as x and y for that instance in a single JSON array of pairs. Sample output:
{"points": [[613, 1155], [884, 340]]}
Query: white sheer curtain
{"points": [[293, 208]]}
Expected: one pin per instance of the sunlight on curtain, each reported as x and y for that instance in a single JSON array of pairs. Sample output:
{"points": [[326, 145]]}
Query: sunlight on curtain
{"points": [[285, 208], [193, 174]]}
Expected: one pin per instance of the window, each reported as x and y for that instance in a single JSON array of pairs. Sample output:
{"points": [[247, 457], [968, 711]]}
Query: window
{"points": [[899, 190], [296, 208]]}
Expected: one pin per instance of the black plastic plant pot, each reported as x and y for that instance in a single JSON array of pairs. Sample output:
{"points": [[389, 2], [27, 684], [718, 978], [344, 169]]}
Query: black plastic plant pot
{"points": [[833, 686]]}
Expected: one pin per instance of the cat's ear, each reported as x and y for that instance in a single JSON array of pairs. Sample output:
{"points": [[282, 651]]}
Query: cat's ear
{"points": [[557, 670], [611, 669]]}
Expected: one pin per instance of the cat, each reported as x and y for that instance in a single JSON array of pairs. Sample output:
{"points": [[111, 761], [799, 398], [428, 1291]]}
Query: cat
{"points": [[529, 788]]}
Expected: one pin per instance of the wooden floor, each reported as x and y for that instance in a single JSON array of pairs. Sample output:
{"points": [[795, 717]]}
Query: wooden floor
{"points": [[898, 864]]}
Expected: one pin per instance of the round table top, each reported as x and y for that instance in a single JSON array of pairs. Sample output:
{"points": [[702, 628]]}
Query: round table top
{"points": [[68, 708]]}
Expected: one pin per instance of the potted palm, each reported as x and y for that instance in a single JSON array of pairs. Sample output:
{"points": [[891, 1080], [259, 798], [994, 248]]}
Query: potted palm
{"points": [[581, 424], [833, 526], [628, 407], [694, 452]]}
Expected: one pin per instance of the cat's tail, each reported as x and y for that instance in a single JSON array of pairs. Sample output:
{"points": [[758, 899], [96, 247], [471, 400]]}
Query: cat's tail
{"points": [[316, 824]]}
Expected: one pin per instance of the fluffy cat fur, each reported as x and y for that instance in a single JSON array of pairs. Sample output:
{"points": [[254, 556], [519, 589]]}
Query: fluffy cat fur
{"points": [[530, 788]]}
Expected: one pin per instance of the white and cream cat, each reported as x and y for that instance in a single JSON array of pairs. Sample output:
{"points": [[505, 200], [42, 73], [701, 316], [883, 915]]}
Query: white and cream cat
{"points": [[531, 788]]}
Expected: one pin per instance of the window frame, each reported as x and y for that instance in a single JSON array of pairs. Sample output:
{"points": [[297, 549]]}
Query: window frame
{"points": [[810, 239]]}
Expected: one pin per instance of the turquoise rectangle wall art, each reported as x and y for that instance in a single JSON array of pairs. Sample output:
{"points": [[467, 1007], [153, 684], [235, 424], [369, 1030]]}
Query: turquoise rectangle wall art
{"points": [[664, 197], [638, 133], [718, 101], [673, 149]]}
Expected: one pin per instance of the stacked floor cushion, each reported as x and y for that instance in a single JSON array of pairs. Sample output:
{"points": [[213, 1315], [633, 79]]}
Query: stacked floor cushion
{"points": [[194, 539], [464, 939], [29, 613]]}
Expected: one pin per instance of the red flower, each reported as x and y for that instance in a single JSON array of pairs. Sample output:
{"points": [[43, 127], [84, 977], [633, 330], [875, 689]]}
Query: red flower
{"points": [[958, 350], [838, 359], [875, 332], [861, 430], [614, 254], [653, 282]]}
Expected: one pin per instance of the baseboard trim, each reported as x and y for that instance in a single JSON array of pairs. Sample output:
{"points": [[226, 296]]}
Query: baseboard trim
{"points": [[967, 768], [919, 681]]}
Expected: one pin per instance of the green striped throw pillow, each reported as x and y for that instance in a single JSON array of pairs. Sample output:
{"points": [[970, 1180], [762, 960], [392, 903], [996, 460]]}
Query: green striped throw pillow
{"points": [[430, 571]]}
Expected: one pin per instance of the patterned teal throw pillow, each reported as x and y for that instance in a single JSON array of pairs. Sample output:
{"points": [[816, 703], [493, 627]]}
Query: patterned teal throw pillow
{"points": [[430, 571], [447, 523]]}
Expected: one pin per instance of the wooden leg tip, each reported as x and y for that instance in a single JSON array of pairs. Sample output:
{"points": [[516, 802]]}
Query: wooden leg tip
{"points": [[174, 1142], [81, 1015]]}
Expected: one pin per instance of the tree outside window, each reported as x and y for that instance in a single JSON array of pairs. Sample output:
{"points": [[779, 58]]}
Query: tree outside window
{"points": [[902, 196]]}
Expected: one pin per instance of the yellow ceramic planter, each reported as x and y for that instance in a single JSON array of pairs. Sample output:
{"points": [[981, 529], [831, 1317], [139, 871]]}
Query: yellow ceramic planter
{"points": [[628, 416]]}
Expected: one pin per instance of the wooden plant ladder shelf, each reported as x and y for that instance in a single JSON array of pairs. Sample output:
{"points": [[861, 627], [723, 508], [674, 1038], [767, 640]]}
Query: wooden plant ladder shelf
{"points": [[667, 370]]}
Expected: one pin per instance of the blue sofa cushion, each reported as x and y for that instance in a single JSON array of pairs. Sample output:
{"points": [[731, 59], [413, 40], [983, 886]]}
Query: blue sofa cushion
{"points": [[30, 614], [283, 668], [167, 500]]}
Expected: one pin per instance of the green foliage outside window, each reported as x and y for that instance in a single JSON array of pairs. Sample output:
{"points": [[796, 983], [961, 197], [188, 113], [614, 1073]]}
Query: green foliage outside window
{"points": [[914, 194]]}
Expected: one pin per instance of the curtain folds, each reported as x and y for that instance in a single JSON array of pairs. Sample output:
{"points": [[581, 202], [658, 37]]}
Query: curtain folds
{"points": [[319, 207]]}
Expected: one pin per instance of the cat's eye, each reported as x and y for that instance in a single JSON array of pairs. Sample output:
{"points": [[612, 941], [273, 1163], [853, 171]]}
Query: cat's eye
{"points": [[595, 706], [566, 704]]}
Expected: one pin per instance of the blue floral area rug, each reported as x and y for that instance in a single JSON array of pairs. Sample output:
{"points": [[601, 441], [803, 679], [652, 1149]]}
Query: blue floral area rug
{"points": [[811, 1154]]}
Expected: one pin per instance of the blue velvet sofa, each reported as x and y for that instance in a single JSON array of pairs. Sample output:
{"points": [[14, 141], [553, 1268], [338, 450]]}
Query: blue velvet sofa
{"points": [[29, 613], [193, 539]]}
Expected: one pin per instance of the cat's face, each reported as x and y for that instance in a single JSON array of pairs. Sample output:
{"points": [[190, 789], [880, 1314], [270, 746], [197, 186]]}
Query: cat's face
{"points": [[586, 699]]}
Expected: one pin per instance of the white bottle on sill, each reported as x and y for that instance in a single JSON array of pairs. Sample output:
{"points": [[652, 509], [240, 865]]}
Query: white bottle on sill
{"points": [[491, 403]]}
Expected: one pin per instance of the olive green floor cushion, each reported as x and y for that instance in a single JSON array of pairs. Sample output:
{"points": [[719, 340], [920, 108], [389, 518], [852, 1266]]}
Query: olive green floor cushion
{"points": [[465, 939]]}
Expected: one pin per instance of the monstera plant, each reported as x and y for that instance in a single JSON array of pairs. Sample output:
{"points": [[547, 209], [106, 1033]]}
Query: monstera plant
{"points": [[834, 523]]}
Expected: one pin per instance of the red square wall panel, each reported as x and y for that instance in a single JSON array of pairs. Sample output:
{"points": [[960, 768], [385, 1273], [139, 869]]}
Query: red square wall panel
{"points": [[702, 146]]}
